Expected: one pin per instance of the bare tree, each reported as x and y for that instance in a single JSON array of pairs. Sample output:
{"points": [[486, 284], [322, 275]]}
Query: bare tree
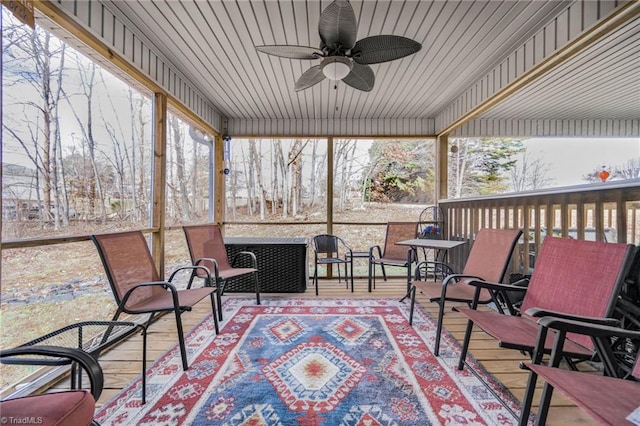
{"points": [[257, 168], [87, 72], [294, 165], [179, 181], [38, 139], [529, 173], [629, 170]]}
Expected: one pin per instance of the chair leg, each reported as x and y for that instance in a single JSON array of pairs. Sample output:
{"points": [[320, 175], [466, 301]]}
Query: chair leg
{"points": [[315, 277], [220, 290], [183, 348], [144, 366], [465, 345], [528, 399], [351, 275], [255, 277], [436, 349], [215, 314], [412, 293]]}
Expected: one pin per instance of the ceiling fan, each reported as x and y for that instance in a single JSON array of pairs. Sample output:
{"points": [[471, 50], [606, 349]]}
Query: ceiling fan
{"points": [[344, 58]]}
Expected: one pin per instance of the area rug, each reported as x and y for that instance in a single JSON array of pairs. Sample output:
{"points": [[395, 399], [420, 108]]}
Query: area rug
{"points": [[295, 361]]}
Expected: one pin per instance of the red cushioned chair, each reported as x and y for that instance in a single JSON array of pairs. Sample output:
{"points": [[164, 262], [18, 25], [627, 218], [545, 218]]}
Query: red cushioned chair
{"points": [[608, 398], [572, 278], [72, 408], [488, 261], [136, 286], [392, 254], [206, 248]]}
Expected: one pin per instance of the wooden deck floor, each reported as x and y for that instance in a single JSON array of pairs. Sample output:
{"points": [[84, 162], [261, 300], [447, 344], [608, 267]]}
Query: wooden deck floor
{"points": [[122, 364]]}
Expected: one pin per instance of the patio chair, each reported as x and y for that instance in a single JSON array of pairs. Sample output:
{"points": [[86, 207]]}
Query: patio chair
{"points": [[72, 407], [608, 398], [572, 278], [488, 261], [331, 250], [136, 286], [392, 254], [206, 248]]}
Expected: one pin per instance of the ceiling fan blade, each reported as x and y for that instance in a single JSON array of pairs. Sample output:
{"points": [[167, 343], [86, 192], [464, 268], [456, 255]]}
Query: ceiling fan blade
{"points": [[361, 77], [383, 48], [338, 26], [291, 52], [311, 77]]}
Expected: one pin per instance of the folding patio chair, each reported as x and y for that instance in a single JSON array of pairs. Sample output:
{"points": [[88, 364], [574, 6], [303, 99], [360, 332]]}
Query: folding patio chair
{"points": [[488, 261], [571, 278], [392, 254], [206, 248], [136, 286], [607, 398], [331, 250]]}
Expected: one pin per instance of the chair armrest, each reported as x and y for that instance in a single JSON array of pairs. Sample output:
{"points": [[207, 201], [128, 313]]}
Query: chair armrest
{"points": [[192, 268], [164, 284], [538, 312], [587, 328], [496, 286], [371, 249], [459, 277], [254, 261], [216, 272], [86, 361]]}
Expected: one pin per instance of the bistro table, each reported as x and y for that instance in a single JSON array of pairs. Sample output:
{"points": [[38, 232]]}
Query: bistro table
{"points": [[425, 243]]}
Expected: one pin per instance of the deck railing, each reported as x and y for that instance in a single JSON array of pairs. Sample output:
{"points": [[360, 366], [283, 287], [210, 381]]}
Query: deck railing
{"points": [[603, 212]]}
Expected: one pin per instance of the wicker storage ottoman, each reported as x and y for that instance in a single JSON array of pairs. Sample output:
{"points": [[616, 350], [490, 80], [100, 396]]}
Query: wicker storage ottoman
{"points": [[282, 264]]}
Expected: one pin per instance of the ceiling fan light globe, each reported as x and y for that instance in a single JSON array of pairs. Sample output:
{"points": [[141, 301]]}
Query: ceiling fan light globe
{"points": [[336, 67]]}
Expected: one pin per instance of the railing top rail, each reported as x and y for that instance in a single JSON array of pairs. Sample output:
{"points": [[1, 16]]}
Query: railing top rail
{"points": [[631, 184]]}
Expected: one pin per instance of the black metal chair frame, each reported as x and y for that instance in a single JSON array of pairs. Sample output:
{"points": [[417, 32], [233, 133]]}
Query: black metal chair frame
{"points": [[330, 246]]}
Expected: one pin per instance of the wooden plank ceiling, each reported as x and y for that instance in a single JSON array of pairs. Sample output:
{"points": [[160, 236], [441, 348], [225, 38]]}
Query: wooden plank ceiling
{"points": [[212, 43]]}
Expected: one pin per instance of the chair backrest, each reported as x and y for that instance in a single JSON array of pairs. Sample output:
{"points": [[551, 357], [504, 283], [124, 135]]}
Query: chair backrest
{"points": [[205, 241], [578, 277], [490, 253], [398, 231], [325, 244], [127, 261]]}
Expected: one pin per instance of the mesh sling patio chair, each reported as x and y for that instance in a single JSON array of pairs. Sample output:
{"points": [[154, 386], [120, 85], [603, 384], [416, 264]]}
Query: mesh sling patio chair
{"points": [[331, 250], [69, 407], [572, 278], [488, 261], [607, 397], [206, 248], [392, 254], [136, 286]]}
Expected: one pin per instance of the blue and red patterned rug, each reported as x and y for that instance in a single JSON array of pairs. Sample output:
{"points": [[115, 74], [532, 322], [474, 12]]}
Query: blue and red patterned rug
{"points": [[293, 361]]}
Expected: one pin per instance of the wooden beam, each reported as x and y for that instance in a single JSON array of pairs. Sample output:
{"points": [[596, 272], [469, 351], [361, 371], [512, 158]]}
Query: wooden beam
{"points": [[218, 180], [442, 167], [330, 185], [158, 192]]}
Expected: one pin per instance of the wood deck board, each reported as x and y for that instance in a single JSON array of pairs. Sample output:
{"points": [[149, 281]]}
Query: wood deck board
{"points": [[122, 364]]}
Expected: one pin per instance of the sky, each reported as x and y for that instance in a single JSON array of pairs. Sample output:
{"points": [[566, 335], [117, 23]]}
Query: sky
{"points": [[570, 159]]}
